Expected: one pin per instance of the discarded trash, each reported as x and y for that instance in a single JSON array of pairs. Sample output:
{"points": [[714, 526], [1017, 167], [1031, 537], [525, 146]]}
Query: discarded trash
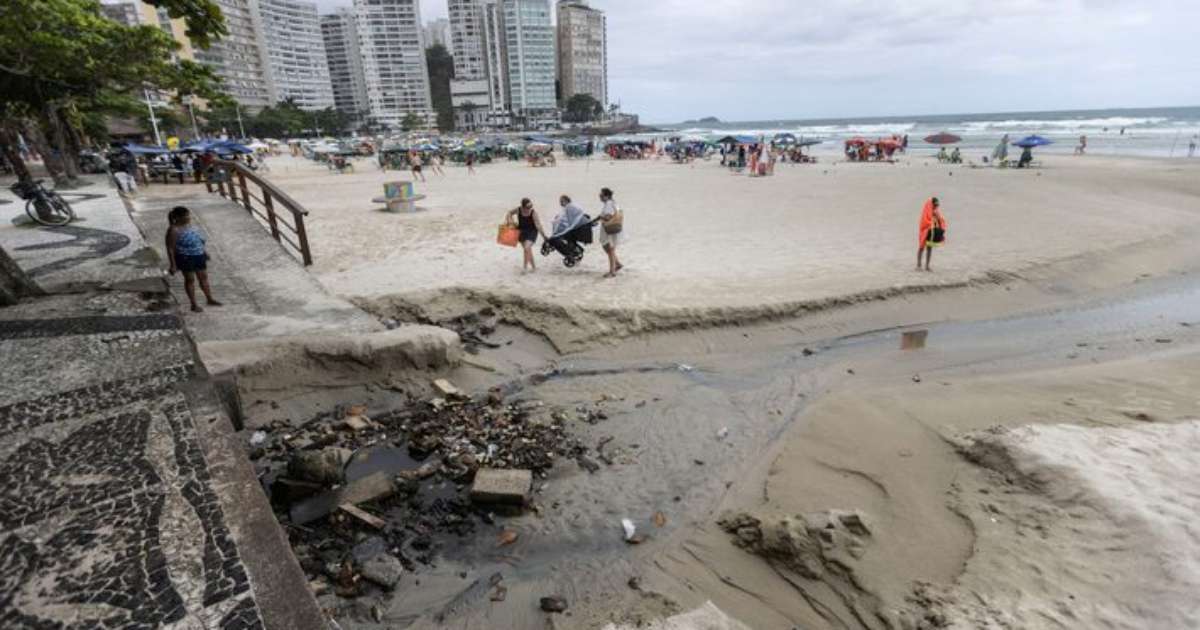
{"points": [[258, 438], [913, 340], [361, 515], [554, 604], [683, 367], [723, 433], [507, 537], [916, 378], [446, 388], [630, 530], [660, 519]]}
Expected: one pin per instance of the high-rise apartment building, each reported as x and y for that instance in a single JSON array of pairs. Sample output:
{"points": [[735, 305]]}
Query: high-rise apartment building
{"points": [[466, 39], [237, 58], [437, 33], [294, 63], [340, 32], [582, 51], [393, 58], [529, 42]]}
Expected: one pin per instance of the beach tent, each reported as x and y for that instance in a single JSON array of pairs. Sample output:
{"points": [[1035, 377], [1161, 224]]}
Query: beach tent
{"points": [[737, 140], [142, 149], [1028, 142]]}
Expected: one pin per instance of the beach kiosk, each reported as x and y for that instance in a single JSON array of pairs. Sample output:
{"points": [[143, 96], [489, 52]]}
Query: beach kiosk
{"points": [[399, 197]]}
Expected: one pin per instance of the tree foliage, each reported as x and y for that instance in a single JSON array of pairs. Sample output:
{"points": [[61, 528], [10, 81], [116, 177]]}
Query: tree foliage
{"points": [[411, 121], [441, 72], [583, 108]]}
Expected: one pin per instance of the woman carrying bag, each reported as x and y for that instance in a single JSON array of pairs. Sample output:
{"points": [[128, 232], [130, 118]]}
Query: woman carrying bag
{"points": [[612, 224], [529, 226]]}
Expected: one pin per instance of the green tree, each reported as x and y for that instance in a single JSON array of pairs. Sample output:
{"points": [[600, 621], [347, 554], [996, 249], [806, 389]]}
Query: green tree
{"points": [[411, 121], [583, 108], [62, 62], [441, 71]]}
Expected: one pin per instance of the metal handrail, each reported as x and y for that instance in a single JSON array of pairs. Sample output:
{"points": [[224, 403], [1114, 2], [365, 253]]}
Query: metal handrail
{"points": [[268, 195]]}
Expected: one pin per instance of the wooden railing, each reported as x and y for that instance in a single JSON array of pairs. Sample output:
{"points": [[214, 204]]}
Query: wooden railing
{"points": [[229, 179]]}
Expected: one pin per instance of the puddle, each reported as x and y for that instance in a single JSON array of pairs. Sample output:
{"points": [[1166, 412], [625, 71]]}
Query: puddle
{"points": [[389, 459]]}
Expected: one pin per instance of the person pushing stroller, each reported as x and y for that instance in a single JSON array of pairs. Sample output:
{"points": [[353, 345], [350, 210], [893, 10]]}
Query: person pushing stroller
{"points": [[572, 230]]}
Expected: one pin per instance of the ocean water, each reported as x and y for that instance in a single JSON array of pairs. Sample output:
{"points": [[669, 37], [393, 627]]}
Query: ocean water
{"points": [[1150, 132]]}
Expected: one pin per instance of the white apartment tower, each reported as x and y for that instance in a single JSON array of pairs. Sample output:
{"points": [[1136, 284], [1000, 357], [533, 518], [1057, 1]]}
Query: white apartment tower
{"points": [[237, 58], [582, 51], [340, 32], [529, 43], [293, 49], [466, 39], [393, 59]]}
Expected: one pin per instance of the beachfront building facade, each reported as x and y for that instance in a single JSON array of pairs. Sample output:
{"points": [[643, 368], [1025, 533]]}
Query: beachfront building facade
{"points": [[530, 58], [237, 58], [294, 60], [395, 72], [582, 51], [339, 30]]}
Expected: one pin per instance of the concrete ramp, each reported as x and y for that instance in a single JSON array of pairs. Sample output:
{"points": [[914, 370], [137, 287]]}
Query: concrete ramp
{"points": [[266, 291]]}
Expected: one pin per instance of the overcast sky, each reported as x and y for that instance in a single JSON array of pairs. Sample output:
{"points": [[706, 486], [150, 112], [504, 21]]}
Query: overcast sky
{"points": [[670, 60]]}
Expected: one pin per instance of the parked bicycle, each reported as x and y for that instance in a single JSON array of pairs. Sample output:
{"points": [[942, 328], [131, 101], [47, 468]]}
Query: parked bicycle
{"points": [[43, 206]]}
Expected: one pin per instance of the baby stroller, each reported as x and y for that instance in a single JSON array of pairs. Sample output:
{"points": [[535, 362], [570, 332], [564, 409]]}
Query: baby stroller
{"points": [[569, 240]]}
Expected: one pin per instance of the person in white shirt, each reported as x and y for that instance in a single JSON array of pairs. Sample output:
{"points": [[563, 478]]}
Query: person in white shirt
{"points": [[611, 217]]}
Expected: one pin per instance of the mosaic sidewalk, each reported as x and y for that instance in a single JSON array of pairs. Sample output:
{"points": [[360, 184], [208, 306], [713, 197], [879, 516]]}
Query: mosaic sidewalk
{"points": [[126, 501]]}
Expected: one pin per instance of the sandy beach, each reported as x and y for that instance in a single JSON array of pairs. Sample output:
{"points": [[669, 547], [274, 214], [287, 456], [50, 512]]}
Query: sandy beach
{"points": [[700, 238]]}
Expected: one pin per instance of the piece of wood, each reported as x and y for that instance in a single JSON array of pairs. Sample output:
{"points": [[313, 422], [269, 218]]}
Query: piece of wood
{"points": [[370, 488], [363, 515], [493, 485], [446, 387]]}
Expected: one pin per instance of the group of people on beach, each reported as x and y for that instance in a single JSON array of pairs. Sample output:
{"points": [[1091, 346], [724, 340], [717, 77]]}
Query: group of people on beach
{"points": [[571, 216]]}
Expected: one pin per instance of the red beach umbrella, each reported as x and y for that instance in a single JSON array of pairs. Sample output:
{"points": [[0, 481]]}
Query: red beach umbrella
{"points": [[888, 143], [857, 141], [943, 138]]}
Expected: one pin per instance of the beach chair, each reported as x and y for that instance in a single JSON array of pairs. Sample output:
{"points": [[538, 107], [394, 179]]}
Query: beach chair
{"points": [[399, 197]]}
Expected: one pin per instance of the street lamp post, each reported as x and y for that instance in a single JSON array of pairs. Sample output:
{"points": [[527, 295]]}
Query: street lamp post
{"points": [[192, 113], [153, 118], [238, 107]]}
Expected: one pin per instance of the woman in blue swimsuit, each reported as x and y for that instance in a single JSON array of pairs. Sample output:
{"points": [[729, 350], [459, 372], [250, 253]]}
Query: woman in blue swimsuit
{"points": [[186, 253]]}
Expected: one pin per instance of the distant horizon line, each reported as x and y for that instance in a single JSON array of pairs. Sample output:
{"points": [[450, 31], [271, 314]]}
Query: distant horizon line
{"points": [[919, 117]]}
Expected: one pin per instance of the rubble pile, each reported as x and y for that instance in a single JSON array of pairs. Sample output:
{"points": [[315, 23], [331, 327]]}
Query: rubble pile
{"points": [[365, 497]]}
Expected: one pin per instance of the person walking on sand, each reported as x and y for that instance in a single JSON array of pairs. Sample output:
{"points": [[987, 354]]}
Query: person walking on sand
{"points": [[414, 161], [612, 225], [932, 231], [186, 252], [435, 164], [1082, 148], [470, 160], [530, 226], [1192, 147]]}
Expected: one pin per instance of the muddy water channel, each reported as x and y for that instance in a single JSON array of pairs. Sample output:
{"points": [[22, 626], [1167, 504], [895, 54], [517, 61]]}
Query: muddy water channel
{"points": [[659, 431]]}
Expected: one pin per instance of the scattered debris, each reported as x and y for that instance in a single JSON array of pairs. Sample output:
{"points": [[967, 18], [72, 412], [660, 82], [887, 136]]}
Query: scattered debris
{"points": [[683, 367], [913, 340], [502, 486], [447, 388], [372, 488], [507, 537], [383, 570], [554, 604], [324, 466], [499, 594], [362, 515], [635, 583], [916, 378], [723, 433], [660, 519], [808, 352], [1162, 340], [258, 438], [630, 530], [356, 423]]}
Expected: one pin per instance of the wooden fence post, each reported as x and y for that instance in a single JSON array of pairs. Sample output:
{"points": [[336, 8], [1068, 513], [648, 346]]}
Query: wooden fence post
{"points": [[245, 192], [270, 204]]}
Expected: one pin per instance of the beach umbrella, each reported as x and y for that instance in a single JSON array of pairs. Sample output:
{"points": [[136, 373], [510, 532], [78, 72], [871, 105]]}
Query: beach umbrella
{"points": [[784, 138], [858, 141], [1028, 142], [943, 138], [227, 147], [809, 142], [888, 143], [141, 149]]}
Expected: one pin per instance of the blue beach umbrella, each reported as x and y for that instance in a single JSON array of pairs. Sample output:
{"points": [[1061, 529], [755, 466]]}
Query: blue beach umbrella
{"points": [[227, 147], [1029, 142]]}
